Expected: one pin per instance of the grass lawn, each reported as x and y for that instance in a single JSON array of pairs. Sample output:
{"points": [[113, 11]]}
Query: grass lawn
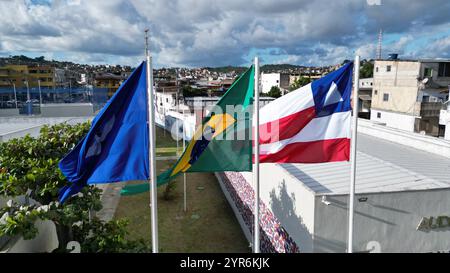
{"points": [[209, 224], [166, 145]]}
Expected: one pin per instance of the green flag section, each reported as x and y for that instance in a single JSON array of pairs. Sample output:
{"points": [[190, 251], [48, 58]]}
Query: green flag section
{"points": [[222, 143]]}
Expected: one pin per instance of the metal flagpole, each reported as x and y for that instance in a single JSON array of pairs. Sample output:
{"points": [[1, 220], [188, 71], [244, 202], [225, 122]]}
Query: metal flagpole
{"points": [[152, 156], [353, 155], [256, 167], [184, 174]]}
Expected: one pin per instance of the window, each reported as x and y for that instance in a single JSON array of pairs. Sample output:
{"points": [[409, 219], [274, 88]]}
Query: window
{"points": [[376, 69], [444, 70], [376, 92], [385, 97], [388, 68], [428, 72], [378, 115]]}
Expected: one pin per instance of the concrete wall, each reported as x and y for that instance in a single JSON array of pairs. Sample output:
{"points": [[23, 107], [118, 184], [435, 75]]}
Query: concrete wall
{"points": [[33, 131], [33, 125], [421, 142], [45, 241], [290, 202], [165, 101], [268, 80], [400, 83], [366, 83], [9, 112], [443, 81], [393, 119], [389, 220], [67, 110]]}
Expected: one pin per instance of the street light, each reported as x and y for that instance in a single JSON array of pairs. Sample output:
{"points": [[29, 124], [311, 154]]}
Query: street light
{"points": [[15, 92], [40, 93], [28, 102]]}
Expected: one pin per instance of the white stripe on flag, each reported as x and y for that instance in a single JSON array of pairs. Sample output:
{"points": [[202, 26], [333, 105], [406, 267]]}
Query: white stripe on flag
{"points": [[329, 127], [287, 105]]}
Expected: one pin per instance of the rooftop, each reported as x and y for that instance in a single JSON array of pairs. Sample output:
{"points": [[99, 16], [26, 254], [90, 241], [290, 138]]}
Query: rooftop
{"points": [[437, 60], [382, 166]]}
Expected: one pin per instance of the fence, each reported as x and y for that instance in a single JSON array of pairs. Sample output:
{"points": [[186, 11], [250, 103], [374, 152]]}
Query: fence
{"points": [[28, 101]]}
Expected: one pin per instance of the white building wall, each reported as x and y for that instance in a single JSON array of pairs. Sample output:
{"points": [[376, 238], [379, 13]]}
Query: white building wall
{"points": [[393, 120], [165, 101], [67, 110], [268, 80], [444, 119], [290, 202], [386, 220], [447, 131]]}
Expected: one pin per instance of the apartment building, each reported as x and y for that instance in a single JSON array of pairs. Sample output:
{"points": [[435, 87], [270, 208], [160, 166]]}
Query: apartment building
{"points": [[409, 94], [21, 75], [268, 80], [109, 81]]}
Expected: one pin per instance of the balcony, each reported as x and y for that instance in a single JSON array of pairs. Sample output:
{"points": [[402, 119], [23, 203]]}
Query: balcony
{"points": [[430, 109]]}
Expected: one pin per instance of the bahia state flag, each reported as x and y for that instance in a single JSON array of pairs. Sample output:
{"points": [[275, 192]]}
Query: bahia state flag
{"points": [[310, 124], [116, 147], [223, 142]]}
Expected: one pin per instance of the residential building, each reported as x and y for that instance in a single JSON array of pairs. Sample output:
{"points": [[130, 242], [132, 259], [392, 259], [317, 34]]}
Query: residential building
{"points": [[109, 81], [365, 97], [268, 80], [22, 75], [408, 94]]}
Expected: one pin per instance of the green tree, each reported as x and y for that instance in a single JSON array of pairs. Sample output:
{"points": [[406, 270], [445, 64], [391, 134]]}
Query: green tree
{"points": [[188, 91], [274, 92], [366, 70], [29, 167], [299, 82]]}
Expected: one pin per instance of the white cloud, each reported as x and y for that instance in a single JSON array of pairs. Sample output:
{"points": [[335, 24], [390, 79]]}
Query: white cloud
{"points": [[212, 32]]}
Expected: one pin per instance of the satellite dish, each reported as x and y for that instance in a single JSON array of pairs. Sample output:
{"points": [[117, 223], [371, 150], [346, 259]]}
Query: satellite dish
{"points": [[425, 81]]}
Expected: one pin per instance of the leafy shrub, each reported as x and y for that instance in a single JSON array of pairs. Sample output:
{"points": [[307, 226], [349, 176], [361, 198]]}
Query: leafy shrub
{"points": [[29, 167]]}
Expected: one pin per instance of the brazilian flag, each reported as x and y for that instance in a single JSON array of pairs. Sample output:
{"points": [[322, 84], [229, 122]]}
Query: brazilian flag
{"points": [[222, 142]]}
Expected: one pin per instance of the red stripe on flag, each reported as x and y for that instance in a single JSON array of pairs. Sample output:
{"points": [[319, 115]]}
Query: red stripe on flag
{"points": [[320, 151], [285, 127]]}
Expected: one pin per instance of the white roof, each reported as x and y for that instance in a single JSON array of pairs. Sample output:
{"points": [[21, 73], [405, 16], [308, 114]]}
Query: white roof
{"points": [[382, 166]]}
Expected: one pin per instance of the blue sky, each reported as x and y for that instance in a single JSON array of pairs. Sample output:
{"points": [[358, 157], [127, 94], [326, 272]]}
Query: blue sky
{"points": [[215, 33]]}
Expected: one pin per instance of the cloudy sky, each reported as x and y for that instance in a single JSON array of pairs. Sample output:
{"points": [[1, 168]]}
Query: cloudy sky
{"points": [[223, 32]]}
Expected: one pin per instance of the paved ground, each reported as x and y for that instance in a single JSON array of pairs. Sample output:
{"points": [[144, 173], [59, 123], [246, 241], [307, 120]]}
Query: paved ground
{"points": [[110, 200]]}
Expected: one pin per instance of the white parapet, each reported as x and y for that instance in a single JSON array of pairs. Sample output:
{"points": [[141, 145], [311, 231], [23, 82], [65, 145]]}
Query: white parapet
{"points": [[418, 141]]}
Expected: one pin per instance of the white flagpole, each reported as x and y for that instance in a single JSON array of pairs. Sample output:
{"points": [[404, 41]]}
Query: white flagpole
{"points": [[256, 167], [184, 174], [152, 156], [353, 155]]}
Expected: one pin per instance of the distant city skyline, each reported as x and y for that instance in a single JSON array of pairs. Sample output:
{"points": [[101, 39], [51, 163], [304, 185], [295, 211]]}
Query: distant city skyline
{"points": [[198, 33]]}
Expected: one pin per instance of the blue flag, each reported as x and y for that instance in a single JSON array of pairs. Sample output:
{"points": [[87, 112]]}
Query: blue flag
{"points": [[116, 147]]}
